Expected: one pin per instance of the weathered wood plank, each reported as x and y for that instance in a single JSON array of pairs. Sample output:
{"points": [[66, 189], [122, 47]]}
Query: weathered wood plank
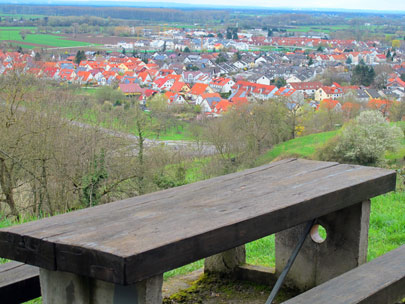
{"points": [[131, 240], [18, 283], [379, 281]]}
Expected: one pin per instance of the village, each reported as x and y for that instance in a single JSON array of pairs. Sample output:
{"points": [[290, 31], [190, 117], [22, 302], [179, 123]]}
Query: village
{"points": [[307, 70]]}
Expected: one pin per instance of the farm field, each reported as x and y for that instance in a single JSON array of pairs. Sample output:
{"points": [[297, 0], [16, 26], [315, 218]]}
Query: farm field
{"points": [[12, 34], [21, 16]]}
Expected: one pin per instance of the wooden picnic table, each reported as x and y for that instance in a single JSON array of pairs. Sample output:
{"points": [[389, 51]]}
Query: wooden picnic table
{"points": [[129, 241]]}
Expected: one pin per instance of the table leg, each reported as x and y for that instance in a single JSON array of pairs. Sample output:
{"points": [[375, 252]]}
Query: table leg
{"points": [[67, 288], [344, 248], [227, 261]]}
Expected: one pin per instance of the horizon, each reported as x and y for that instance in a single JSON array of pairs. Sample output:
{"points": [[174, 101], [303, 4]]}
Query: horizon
{"points": [[393, 6]]}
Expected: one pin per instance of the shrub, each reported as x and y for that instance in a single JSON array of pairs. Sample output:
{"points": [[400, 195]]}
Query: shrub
{"points": [[363, 141]]}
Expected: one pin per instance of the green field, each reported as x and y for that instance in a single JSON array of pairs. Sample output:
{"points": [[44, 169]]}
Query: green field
{"points": [[19, 16], [13, 33]]}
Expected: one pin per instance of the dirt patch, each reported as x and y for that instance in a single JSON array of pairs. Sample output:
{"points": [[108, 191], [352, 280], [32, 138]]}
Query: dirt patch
{"points": [[98, 39], [214, 289]]}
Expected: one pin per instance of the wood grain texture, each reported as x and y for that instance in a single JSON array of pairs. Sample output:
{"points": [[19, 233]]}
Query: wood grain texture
{"points": [[18, 283], [131, 240], [379, 281]]}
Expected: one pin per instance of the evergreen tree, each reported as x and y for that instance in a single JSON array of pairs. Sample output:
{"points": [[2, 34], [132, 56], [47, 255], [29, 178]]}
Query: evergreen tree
{"points": [[186, 50], [349, 60], [363, 74], [280, 82], [228, 34], [80, 56], [310, 62], [269, 33], [388, 55], [124, 51]]}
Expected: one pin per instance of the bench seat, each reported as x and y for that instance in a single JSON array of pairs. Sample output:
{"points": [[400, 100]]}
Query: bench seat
{"points": [[18, 283], [381, 281]]}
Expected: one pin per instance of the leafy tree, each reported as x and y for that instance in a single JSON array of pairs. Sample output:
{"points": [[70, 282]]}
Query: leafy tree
{"points": [[220, 36], [124, 51], [228, 34], [80, 56], [402, 76], [221, 58], [186, 49], [280, 82], [320, 48], [396, 43], [349, 60], [235, 36], [310, 61], [363, 141]]}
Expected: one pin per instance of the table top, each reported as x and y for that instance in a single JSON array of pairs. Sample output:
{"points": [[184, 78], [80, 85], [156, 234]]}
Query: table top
{"points": [[133, 239]]}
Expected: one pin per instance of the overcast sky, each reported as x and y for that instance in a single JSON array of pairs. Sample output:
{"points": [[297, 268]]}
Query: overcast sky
{"points": [[390, 5]]}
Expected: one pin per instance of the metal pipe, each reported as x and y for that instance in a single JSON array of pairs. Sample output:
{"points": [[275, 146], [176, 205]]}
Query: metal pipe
{"points": [[290, 262]]}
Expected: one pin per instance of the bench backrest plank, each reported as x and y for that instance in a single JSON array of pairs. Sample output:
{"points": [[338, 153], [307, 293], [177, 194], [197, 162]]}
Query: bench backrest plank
{"points": [[131, 240]]}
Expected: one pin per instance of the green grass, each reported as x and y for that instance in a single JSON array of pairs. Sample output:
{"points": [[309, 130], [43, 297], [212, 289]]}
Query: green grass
{"points": [[13, 33], [301, 146]]}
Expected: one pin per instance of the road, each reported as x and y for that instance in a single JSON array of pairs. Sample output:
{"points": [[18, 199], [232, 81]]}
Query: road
{"points": [[184, 146]]}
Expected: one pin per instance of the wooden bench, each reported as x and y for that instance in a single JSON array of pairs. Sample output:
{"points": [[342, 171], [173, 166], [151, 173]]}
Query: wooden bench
{"points": [[119, 251], [381, 281], [18, 283]]}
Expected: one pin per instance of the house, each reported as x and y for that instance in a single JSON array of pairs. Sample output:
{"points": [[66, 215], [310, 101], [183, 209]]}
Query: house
{"points": [[180, 87], [222, 85], [222, 106], [163, 83], [307, 88], [209, 96], [175, 98], [263, 80], [130, 89], [83, 77], [209, 102], [67, 75], [372, 93], [395, 83], [200, 88], [325, 92]]}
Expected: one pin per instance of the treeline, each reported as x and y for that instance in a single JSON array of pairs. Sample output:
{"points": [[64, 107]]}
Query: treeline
{"points": [[128, 13]]}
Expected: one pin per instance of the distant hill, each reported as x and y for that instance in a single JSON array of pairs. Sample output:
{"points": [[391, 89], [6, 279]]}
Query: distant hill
{"points": [[174, 4]]}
